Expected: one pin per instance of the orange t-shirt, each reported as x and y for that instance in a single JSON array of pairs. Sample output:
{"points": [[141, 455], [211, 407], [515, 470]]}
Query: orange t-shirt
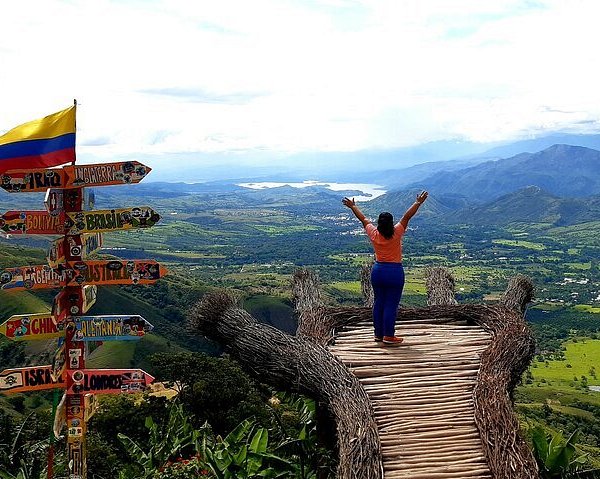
{"points": [[386, 250]]}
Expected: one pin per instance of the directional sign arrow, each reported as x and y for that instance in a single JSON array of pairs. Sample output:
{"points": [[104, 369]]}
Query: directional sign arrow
{"points": [[40, 179], [116, 272], [27, 327], [58, 200], [107, 381], [73, 247], [32, 223], [105, 174], [74, 300], [32, 277], [111, 328], [34, 378], [110, 220]]}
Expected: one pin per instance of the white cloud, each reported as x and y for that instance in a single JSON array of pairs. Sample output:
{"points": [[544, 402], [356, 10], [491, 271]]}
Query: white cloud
{"points": [[167, 77]]}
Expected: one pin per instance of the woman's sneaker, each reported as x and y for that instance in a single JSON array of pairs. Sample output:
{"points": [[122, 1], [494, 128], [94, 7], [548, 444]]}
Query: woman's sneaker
{"points": [[378, 339], [392, 340]]}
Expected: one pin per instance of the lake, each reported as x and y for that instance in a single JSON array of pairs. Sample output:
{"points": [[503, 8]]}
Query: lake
{"points": [[369, 191]]}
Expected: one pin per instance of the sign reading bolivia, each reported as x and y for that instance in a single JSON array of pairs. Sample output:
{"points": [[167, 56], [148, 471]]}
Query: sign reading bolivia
{"points": [[75, 246], [32, 223], [107, 381], [26, 327], [110, 220], [32, 277], [126, 172], [116, 272], [109, 328], [34, 378]]}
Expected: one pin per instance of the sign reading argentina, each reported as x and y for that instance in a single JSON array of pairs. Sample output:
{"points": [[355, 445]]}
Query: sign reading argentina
{"points": [[110, 328]]}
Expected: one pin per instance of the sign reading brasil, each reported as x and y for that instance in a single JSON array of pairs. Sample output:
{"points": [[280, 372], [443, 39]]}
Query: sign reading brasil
{"points": [[110, 220], [17, 181]]}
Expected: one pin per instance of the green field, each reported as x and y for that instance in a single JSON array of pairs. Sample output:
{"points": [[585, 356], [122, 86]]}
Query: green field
{"points": [[520, 244], [580, 358]]}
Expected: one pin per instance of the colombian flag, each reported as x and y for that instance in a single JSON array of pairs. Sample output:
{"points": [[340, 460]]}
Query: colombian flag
{"points": [[49, 141]]}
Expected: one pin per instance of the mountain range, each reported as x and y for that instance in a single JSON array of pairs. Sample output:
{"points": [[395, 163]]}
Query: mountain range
{"points": [[563, 170]]}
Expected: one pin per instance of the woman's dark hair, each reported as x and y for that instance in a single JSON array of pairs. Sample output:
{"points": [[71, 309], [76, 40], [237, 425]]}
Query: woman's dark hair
{"points": [[385, 225]]}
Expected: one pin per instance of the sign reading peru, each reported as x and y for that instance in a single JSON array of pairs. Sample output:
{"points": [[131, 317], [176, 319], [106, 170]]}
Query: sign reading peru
{"points": [[109, 328], [107, 381], [80, 246], [35, 378], [110, 220], [126, 172], [31, 326]]}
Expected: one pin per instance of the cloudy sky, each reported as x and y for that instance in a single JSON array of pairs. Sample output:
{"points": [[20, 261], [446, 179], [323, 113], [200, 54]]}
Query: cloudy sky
{"points": [[165, 78]]}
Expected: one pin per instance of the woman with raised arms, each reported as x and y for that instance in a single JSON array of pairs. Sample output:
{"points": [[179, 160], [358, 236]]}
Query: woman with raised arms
{"points": [[387, 275]]}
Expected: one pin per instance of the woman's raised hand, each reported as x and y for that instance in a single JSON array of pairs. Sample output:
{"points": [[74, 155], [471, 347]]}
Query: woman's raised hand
{"points": [[349, 202], [421, 197]]}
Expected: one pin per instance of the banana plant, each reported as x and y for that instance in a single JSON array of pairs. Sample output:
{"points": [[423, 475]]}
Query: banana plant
{"points": [[555, 454], [172, 440]]}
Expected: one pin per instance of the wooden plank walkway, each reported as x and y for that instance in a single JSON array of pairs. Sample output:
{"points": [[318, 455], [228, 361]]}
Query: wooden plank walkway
{"points": [[421, 393]]}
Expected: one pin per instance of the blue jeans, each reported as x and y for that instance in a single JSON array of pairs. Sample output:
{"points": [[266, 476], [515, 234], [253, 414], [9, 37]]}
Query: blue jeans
{"points": [[388, 282]]}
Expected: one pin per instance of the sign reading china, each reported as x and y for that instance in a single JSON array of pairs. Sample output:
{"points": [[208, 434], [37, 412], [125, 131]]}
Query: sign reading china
{"points": [[126, 172], [34, 378], [110, 220], [31, 326], [107, 381]]}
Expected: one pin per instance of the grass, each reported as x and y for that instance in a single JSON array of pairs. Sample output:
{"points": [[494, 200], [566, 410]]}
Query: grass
{"points": [[586, 308], [520, 244], [581, 356]]}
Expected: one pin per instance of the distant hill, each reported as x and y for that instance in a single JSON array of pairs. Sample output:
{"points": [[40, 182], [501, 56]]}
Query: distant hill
{"points": [[562, 170], [529, 205]]}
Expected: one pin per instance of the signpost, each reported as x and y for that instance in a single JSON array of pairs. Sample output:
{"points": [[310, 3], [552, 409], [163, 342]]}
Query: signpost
{"points": [[111, 328], [110, 220], [28, 327], [69, 214], [107, 381], [105, 174], [34, 378]]}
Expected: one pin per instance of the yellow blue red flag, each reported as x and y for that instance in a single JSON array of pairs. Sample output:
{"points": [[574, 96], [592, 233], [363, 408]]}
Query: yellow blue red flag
{"points": [[49, 141]]}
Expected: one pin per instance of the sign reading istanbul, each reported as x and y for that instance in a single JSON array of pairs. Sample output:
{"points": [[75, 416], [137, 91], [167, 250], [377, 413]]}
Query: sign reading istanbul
{"points": [[17, 181], [110, 328], [116, 272], [107, 381], [34, 378], [25, 327], [110, 220]]}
